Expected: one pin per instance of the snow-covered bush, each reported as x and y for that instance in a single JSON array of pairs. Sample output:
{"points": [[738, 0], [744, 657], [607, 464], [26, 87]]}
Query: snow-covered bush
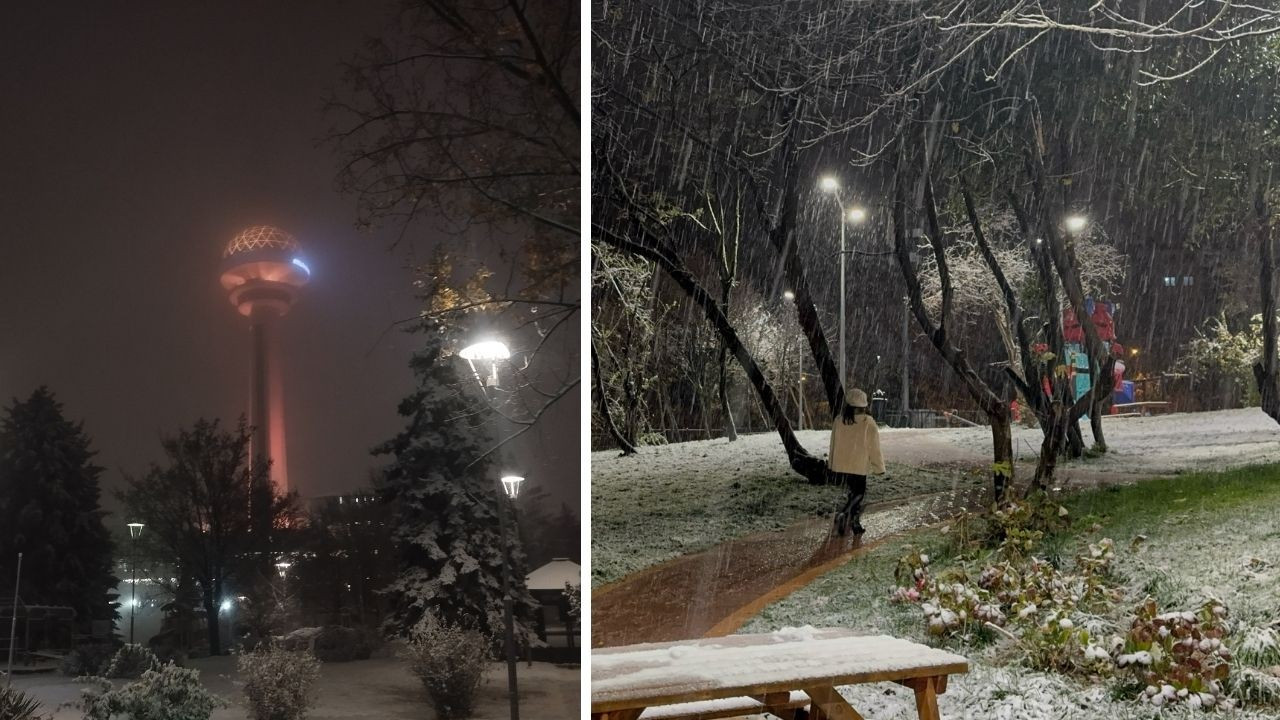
{"points": [[573, 594], [278, 682], [1219, 354], [88, 659], [1178, 657], [450, 661], [166, 693], [129, 662], [16, 705]]}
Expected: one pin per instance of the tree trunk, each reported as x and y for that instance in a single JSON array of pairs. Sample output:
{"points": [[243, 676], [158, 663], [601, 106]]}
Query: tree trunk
{"points": [[730, 429], [811, 468], [1265, 371], [605, 415], [209, 593], [996, 410]]}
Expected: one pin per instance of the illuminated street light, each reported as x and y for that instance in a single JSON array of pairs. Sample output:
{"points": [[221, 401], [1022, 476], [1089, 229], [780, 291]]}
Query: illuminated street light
{"points": [[856, 215], [282, 567], [788, 295], [1133, 352], [829, 184], [135, 531], [511, 485], [490, 351], [508, 485], [1076, 223]]}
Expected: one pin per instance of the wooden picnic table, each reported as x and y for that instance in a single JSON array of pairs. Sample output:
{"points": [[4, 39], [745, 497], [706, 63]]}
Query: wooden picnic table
{"points": [[767, 670]]}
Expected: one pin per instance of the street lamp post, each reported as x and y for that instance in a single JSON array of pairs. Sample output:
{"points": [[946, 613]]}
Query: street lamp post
{"points": [[509, 489], [854, 215], [135, 531], [490, 351]]}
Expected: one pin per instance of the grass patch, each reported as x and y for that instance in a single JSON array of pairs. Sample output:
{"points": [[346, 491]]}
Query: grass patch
{"points": [[1179, 539]]}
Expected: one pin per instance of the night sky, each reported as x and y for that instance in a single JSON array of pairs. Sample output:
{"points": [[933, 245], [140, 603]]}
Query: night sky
{"points": [[135, 140]]}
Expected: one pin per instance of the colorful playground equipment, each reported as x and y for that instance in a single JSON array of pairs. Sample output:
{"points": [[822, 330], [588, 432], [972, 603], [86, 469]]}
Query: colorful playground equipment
{"points": [[1077, 359]]}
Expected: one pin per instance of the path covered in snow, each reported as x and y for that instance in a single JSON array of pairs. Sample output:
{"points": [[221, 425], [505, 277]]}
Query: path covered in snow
{"points": [[737, 529]]}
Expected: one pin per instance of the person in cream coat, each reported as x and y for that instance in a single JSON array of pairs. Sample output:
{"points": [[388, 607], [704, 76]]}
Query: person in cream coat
{"points": [[854, 454]]}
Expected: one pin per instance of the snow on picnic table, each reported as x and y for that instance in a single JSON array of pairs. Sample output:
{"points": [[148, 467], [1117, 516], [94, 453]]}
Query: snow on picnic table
{"points": [[791, 657]]}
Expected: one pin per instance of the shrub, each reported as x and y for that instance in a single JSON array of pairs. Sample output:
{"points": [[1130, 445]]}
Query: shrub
{"points": [[88, 659], [165, 693], [1179, 657], [278, 682], [130, 661], [450, 661], [16, 705]]}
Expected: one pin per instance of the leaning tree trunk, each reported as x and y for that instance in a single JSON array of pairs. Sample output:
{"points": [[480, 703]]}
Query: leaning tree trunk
{"points": [[813, 469], [606, 416]]}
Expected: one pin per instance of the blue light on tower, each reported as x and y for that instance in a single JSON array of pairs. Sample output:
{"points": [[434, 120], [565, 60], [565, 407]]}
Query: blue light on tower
{"points": [[299, 263]]}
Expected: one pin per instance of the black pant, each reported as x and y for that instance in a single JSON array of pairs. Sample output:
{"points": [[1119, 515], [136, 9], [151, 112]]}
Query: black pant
{"points": [[857, 485]]}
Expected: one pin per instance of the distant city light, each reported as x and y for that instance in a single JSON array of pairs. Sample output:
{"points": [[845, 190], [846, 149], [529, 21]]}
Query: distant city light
{"points": [[486, 350], [299, 263], [829, 184]]}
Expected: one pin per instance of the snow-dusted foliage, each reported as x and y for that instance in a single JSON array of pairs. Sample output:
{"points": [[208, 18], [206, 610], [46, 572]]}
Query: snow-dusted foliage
{"points": [[131, 661], [1218, 353], [450, 660], [17, 705], [1101, 265], [1178, 657], [164, 693], [442, 489], [278, 683]]}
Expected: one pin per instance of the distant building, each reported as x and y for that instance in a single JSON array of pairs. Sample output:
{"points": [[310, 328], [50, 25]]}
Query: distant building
{"points": [[556, 627]]}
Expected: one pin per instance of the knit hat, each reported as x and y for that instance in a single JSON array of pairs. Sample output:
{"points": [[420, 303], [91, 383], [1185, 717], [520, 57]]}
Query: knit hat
{"points": [[857, 398]]}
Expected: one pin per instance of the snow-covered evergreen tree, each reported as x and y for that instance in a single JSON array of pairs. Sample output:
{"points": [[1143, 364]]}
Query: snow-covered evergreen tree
{"points": [[445, 504], [50, 512]]}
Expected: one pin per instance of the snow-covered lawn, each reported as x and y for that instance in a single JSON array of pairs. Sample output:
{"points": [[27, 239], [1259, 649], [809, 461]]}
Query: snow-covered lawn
{"points": [[1202, 535], [377, 689], [674, 499]]}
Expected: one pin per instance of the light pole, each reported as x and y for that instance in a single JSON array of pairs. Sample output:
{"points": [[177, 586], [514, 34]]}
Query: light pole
{"points": [[135, 531], [855, 215], [13, 624], [508, 490]]}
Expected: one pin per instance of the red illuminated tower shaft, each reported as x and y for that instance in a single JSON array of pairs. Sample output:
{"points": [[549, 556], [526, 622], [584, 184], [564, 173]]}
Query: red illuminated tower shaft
{"points": [[262, 271]]}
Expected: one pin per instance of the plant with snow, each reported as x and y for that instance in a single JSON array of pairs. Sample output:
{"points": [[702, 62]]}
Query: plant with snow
{"points": [[17, 705], [164, 693], [450, 659], [573, 594], [130, 661], [1060, 644], [278, 683], [1178, 657], [1219, 353]]}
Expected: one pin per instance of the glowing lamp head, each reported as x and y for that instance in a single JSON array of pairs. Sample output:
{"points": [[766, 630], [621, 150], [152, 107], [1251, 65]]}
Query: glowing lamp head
{"points": [[282, 567], [788, 295], [828, 184], [226, 606], [511, 485], [857, 215], [485, 351], [1075, 223], [135, 530]]}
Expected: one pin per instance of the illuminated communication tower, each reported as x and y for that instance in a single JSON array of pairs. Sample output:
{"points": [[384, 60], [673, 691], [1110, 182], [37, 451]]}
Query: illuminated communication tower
{"points": [[262, 271]]}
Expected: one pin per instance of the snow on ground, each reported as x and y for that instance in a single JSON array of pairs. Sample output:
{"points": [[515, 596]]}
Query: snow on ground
{"points": [[377, 689], [676, 499], [670, 500], [1200, 536]]}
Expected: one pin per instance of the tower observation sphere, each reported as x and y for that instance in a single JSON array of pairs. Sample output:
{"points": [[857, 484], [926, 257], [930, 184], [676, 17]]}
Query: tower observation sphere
{"points": [[262, 272]]}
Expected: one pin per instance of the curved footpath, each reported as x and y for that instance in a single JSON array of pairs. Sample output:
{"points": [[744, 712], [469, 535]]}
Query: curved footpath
{"points": [[714, 592]]}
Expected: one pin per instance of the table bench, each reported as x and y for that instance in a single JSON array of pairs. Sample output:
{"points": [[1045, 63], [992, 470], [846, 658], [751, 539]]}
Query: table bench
{"points": [[774, 672]]}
